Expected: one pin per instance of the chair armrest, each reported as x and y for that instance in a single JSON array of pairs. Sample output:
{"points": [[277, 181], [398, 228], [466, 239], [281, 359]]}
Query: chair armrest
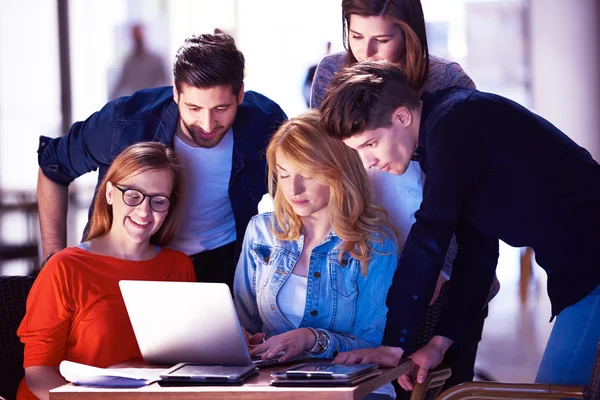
{"points": [[499, 391], [433, 383]]}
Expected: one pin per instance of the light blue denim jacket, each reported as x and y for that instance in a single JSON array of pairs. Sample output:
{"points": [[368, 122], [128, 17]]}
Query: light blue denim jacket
{"points": [[350, 307]]}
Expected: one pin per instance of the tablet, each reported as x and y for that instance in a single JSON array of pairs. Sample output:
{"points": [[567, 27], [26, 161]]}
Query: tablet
{"points": [[324, 371], [326, 382], [208, 373]]}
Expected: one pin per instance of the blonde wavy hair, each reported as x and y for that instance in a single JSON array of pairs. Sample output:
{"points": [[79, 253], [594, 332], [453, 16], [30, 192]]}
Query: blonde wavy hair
{"points": [[352, 214]]}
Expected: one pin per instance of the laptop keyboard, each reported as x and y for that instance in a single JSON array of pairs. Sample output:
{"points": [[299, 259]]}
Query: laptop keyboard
{"points": [[260, 363]]}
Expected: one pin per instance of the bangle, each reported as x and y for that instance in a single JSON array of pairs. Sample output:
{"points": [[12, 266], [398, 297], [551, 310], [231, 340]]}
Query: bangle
{"points": [[316, 345], [326, 344], [322, 343]]}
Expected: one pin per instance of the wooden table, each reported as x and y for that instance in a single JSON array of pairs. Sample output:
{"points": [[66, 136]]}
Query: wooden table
{"points": [[256, 388]]}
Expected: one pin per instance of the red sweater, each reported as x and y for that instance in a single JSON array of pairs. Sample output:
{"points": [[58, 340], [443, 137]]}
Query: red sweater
{"points": [[75, 310]]}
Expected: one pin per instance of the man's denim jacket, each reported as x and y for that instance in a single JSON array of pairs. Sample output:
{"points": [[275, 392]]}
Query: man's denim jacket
{"points": [[152, 115], [339, 299]]}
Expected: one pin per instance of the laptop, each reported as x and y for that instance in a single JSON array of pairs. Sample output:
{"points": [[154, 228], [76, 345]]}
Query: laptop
{"points": [[189, 323]]}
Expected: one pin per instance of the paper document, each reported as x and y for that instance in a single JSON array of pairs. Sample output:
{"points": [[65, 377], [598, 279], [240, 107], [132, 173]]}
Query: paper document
{"points": [[81, 374]]}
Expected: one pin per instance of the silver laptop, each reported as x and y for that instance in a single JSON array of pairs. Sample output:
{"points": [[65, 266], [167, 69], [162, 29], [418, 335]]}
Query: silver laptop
{"points": [[185, 322]]}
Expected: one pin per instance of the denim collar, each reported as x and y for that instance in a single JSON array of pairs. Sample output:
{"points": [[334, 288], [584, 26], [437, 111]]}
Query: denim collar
{"points": [[325, 246], [165, 132]]}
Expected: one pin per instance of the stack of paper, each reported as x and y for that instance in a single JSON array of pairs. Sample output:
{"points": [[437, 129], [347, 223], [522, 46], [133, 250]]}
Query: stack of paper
{"points": [[86, 375]]}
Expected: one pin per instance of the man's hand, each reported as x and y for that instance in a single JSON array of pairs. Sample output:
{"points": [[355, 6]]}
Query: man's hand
{"points": [[383, 355], [438, 287], [53, 204], [285, 346], [425, 359]]}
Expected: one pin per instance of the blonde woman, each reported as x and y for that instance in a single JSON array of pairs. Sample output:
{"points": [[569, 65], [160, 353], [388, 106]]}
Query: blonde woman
{"points": [[314, 274]]}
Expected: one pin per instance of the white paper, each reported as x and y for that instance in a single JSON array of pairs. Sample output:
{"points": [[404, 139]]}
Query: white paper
{"points": [[75, 372]]}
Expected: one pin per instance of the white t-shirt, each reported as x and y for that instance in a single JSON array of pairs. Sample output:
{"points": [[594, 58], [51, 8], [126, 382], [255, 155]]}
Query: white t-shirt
{"points": [[400, 195], [207, 216], [292, 298]]}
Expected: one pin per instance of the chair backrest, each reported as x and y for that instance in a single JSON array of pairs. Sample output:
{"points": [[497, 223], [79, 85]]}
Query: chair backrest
{"points": [[430, 320], [13, 296], [499, 390], [426, 331], [592, 391]]}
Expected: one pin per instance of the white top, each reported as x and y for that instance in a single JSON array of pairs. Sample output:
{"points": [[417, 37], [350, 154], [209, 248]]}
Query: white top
{"points": [[265, 204], [207, 216], [400, 195], [292, 299]]}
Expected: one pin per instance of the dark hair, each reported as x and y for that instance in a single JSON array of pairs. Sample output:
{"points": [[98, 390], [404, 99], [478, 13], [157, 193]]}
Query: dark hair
{"points": [[136, 159], [206, 61], [364, 96], [408, 16]]}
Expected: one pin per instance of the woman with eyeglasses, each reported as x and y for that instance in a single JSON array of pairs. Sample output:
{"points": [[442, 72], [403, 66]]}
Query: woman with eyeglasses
{"points": [[75, 310]]}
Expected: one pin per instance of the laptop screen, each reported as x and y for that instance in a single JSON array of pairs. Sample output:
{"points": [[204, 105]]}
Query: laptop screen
{"points": [[191, 322]]}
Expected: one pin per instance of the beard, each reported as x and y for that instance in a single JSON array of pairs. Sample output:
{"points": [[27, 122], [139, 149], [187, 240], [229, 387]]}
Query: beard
{"points": [[200, 137]]}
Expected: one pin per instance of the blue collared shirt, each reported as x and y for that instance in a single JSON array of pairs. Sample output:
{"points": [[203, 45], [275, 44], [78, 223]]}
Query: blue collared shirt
{"points": [[339, 299]]}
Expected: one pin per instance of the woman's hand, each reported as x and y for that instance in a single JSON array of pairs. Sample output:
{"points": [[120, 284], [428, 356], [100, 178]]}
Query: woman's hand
{"points": [[289, 344], [253, 339], [41, 379], [383, 355]]}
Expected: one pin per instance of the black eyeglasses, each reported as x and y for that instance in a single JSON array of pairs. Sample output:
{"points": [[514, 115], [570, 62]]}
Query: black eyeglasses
{"points": [[133, 197]]}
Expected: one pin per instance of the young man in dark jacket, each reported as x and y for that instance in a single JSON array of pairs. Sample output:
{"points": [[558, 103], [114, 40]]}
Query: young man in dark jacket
{"points": [[494, 170]]}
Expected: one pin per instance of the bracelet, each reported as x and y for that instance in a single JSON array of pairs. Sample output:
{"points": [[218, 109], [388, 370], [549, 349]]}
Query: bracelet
{"points": [[316, 345], [326, 341], [323, 341]]}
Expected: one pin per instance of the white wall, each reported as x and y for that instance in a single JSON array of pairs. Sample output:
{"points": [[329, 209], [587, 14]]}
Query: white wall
{"points": [[29, 87], [566, 67], [280, 39]]}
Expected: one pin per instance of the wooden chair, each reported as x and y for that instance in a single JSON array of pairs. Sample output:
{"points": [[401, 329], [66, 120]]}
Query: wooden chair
{"points": [[13, 296], [429, 389], [498, 390]]}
